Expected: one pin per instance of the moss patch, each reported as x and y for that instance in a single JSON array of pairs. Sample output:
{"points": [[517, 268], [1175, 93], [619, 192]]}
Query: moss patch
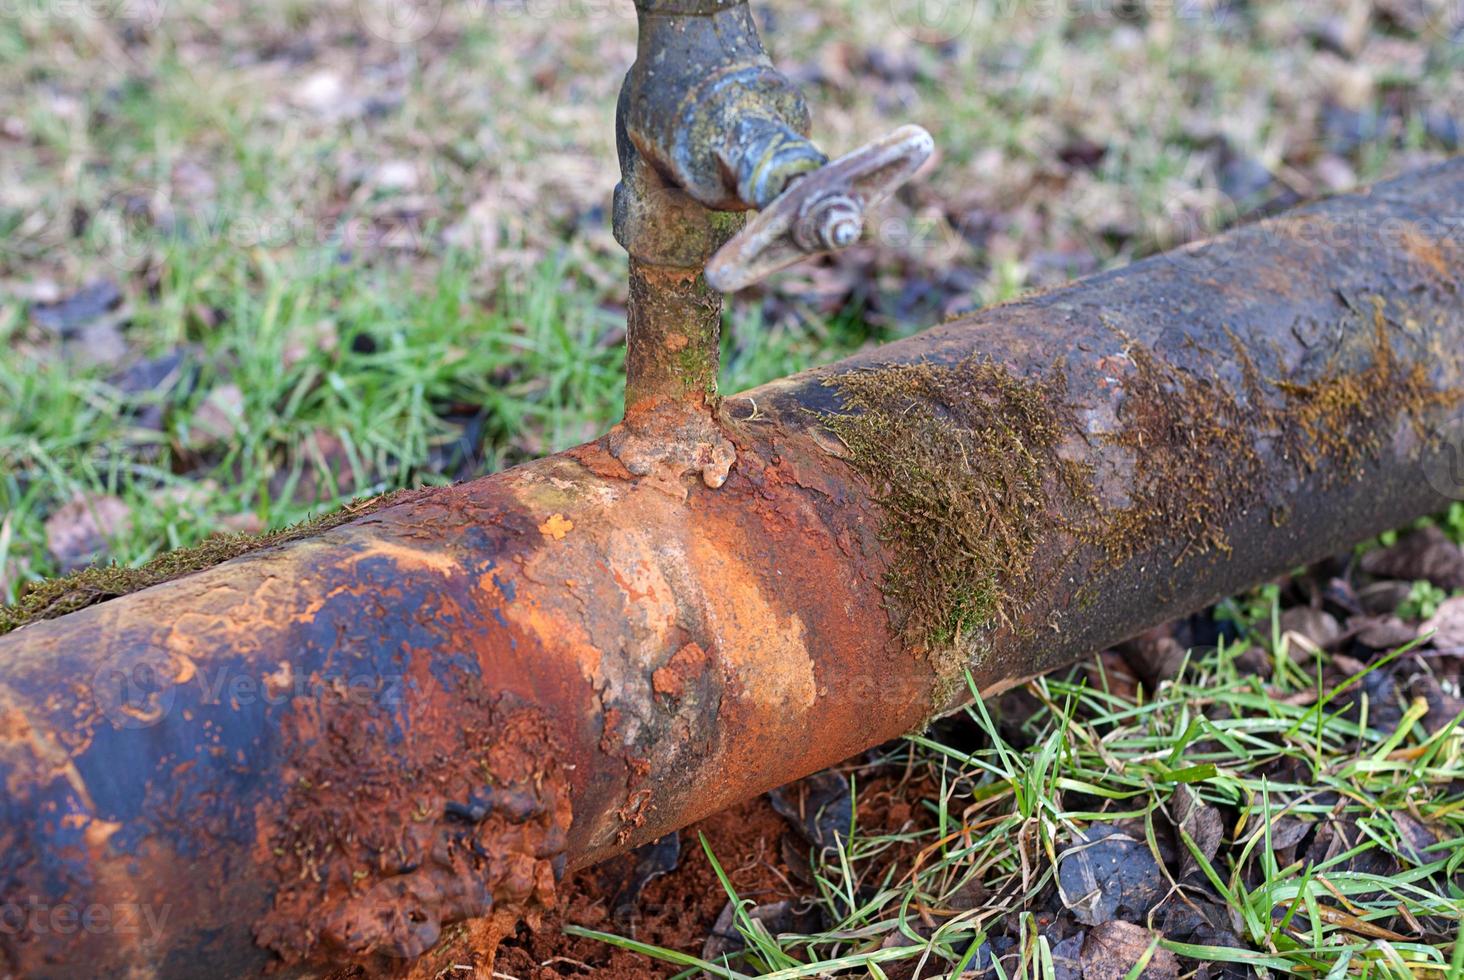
{"points": [[1192, 441], [90, 586], [1345, 418], [964, 462]]}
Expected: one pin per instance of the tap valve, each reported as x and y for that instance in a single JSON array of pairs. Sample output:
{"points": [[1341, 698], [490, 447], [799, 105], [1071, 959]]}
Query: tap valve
{"points": [[819, 211], [707, 129]]}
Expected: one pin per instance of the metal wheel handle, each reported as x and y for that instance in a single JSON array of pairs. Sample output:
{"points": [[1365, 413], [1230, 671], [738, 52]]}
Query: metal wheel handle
{"points": [[822, 211]]}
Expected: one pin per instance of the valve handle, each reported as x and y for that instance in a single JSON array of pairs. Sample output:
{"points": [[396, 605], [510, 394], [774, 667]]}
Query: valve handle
{"points": [[822, 211]]}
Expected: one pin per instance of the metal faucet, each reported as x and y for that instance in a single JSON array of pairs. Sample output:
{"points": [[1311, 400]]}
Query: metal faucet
{"points": [[707, 130]]}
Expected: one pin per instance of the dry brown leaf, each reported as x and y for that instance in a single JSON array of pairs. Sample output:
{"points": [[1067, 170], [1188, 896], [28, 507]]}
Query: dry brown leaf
{"points": [[1447, 625], [1114, 948], [79, 532]]}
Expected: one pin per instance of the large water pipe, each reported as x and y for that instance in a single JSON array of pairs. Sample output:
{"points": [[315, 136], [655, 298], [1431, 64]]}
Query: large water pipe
{"points": [[328, 750]]}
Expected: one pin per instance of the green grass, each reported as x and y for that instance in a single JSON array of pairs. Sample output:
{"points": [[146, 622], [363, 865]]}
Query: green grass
{"points": [[1006, 811], [530, 359]]}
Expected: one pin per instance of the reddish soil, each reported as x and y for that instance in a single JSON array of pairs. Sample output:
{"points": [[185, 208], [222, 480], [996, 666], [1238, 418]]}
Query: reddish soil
{"points": [[677, 910]]}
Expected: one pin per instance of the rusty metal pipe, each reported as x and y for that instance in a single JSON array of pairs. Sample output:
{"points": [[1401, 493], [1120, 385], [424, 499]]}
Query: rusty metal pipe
{"points": [[329, 750]]}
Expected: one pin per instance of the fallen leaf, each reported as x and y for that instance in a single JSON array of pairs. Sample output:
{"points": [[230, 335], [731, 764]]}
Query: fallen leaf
{"points": [[1155, 655], [1443, 707], [1203, 824], [819, 807], [1423, 554], [1415, 838], [1110, 671], [78, 533], [1317, 628], [306, 339], [1067, 958], [1191, 916], [1382, 632], [556, 527], [1113, 949], [1447, 625], [777, 918], [158, 374], [67, 316], [216, 421], [626, 877], [1287, 832], [1383, 598], [99, 344]]}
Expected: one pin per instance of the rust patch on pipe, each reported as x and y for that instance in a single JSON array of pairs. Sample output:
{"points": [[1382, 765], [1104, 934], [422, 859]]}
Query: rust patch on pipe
{"points": [[682, 670], [374, 853]]}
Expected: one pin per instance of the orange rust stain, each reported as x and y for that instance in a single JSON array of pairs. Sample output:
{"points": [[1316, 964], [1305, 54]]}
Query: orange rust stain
{"points": [[481, 834], [685, 665], [556, 527], [437, 561], [14, 725], [186, 670], [1425, 250], [764, 647], [628, 584], [668, 275], [99, 832], [599, 461], [676, 342], [555, 632]]}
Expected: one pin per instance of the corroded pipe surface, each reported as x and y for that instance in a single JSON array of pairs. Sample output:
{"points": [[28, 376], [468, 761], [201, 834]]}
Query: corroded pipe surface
{"points": [[331, 749]]}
